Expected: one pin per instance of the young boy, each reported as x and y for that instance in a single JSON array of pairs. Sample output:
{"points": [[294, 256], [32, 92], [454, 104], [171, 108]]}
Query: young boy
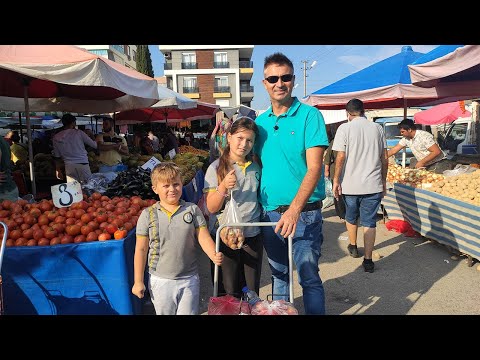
{"points": [[167, 233]]}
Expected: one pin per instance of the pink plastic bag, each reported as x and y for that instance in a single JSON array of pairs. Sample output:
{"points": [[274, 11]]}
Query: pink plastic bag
{"points": [[227, 305]]}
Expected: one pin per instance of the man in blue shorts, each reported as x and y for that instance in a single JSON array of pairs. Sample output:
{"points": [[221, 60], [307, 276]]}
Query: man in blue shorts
{"points": [[360, 176]]}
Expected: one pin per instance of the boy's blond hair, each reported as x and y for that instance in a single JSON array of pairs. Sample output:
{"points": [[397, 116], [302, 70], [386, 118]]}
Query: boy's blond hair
{"points": [[165, 172]]}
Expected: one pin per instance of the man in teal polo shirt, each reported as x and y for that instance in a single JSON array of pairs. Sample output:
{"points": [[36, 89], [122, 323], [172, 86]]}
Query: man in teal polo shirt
{"points": [[290, 145]]}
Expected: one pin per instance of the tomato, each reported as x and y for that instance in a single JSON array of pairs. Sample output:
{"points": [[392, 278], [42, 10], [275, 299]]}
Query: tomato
{"points": [[27, 234], [52, 214], [70, 221], [111, 228], [96, 196], [21, 241], [70, 214], [105, 198], [6, 213], [59, 228], [24, 226], [32, 242], [93, 224], [86, 218], [104, 236], [103, 225], [86, 229], [101, 217], [118, 222], [78, 213], [6, 204], [73, 230], [55, 241], [10, 243], [120, 210], [120, 234], [128, 226], [45, 205], [43, 242], [50, 233], [38, 234], [92, 236], [35, 212], [79, 239], [43, 220], [66, 239], [60, 219], [15, 234]]}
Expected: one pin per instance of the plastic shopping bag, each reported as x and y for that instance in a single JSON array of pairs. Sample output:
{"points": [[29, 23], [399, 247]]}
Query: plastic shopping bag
{"points": [[232, 236], [328, 201], [227, 305]]}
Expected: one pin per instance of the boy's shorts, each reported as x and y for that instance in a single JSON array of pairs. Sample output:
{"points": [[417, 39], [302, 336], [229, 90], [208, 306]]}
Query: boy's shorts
{"points": [[365, 206]]}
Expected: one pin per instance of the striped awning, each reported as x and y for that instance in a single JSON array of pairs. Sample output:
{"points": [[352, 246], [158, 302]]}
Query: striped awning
{"points": [[446, 220]]}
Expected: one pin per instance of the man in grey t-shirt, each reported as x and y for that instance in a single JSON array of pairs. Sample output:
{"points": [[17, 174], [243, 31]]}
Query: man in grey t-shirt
{"points": [[360, 176]]}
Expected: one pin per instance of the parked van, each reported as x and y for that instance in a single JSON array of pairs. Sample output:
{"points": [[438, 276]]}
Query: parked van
{"points": [[459, 137], [392, 134]]}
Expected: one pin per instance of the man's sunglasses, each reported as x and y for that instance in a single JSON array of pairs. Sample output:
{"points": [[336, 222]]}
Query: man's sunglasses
{"points": [[285, 78]]}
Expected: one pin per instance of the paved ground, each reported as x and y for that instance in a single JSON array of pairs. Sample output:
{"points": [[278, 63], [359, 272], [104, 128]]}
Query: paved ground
{"points": [[413, 277]]}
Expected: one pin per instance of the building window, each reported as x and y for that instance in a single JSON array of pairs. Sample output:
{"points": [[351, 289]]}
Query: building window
{"points": [[220, 60], [221, 84], [189, 61], [119, 48], [128, 50], [134, 55], [190, 85], [103, 53]]}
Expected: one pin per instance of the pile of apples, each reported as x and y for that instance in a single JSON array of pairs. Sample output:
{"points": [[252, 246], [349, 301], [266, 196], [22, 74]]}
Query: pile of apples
{"points": [[95, 218]]}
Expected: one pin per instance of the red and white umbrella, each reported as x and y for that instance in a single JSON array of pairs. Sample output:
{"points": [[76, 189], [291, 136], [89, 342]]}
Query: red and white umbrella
{"points": [[68, 78]]}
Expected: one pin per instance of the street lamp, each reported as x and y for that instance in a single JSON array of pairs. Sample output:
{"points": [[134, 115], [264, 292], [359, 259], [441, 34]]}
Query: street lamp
{"points": [[305, 68]]}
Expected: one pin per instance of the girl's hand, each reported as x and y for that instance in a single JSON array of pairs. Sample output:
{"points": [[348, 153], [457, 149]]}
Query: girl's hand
{"points": [[230, 180]]}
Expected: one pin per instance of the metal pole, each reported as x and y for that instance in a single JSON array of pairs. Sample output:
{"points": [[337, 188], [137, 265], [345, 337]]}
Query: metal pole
{"points": [[29, 137], [304, 77]]}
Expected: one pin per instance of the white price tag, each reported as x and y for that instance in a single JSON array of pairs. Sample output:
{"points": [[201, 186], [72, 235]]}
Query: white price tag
{"points": [[151, 163], [172, 154], [66, 194]]}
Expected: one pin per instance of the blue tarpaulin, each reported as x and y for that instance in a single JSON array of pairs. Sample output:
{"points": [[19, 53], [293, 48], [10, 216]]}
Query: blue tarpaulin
{"points": [[193, 191], [92, 278]]}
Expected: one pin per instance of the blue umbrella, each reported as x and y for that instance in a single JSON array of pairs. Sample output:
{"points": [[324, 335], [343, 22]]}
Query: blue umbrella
{"points": [[385, 84]]}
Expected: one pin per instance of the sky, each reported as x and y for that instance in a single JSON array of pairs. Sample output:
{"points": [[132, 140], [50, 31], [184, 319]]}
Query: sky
{"points": [[333, 62]]}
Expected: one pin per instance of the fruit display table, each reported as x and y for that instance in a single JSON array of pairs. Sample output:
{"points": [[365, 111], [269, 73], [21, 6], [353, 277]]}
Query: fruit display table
{"points": [[77, 279], [451, 222]]}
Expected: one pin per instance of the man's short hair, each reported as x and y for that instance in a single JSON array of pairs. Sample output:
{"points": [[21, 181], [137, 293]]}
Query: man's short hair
{"points": [[355, 107], [407, 124], [68, 119], [279, 59]]}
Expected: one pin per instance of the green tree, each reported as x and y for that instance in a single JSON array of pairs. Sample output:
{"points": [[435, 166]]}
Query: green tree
{"points": [[144, 60]]}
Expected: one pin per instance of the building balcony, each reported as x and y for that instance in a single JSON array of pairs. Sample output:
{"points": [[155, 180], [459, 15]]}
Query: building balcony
{"points": [[167, 66], [190, 65], [221, 89], [245, 64], [190, 90], [221, 65], [246, 88]]}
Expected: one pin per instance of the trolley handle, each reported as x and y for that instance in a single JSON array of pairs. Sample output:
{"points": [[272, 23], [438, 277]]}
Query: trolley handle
{"points": [[290, 254]]}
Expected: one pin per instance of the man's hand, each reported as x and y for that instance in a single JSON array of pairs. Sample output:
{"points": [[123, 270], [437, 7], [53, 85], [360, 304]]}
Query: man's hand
{"points": [[60, 175], [288, 223], [419, 164], [337, 189]]}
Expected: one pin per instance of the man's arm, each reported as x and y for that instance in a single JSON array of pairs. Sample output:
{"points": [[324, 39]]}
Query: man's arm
{"points": [[101, 146], [339, 162], [395, 150], [434, 152], [384, 160], [288, 221]]}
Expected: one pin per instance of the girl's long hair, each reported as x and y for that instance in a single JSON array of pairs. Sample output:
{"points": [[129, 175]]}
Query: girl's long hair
{"points": [[241, 124]]}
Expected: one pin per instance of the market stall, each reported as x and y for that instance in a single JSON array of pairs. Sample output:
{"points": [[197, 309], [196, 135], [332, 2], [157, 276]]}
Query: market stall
{"points": [[441, 218], [87, 278]]}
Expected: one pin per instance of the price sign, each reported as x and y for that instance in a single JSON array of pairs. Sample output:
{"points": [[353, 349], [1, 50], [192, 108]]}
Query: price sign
{"points": [[172, 154], [66, 194], [151, 163]]}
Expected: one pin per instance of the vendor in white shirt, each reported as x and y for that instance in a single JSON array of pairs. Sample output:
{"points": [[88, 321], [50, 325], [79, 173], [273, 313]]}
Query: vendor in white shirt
{"points": [[69, 146], [424, 147]]}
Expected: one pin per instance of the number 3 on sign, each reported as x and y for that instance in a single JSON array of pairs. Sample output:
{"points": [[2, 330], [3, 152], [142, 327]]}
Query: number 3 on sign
{"points": [[66, 194]]}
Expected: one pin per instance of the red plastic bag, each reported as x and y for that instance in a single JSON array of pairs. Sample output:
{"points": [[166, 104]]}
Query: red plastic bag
{"points": [[401, 226], [227, 305]]}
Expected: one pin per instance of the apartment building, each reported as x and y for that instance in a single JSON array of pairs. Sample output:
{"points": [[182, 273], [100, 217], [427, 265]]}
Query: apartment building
{"points": [[122, 54], [216, 74]]}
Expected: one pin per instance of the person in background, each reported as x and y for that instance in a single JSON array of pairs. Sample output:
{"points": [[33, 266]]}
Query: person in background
{"points": [[69, 146], [8, 187], [111, 147], [424, 147], [155, 141], [291, 142], [167, 235], [19, 152], [8, 137], [235, 175], [146, 145], [170, 142], [360, 176], [329, 162]]}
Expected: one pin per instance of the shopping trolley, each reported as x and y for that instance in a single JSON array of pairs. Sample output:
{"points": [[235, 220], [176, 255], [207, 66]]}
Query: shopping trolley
{"points": [[290, 255], [3, 245]]}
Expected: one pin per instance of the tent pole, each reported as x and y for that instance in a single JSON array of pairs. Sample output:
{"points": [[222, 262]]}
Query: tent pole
{"points": [[404, 152], [20, 122], [29, 137]]}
